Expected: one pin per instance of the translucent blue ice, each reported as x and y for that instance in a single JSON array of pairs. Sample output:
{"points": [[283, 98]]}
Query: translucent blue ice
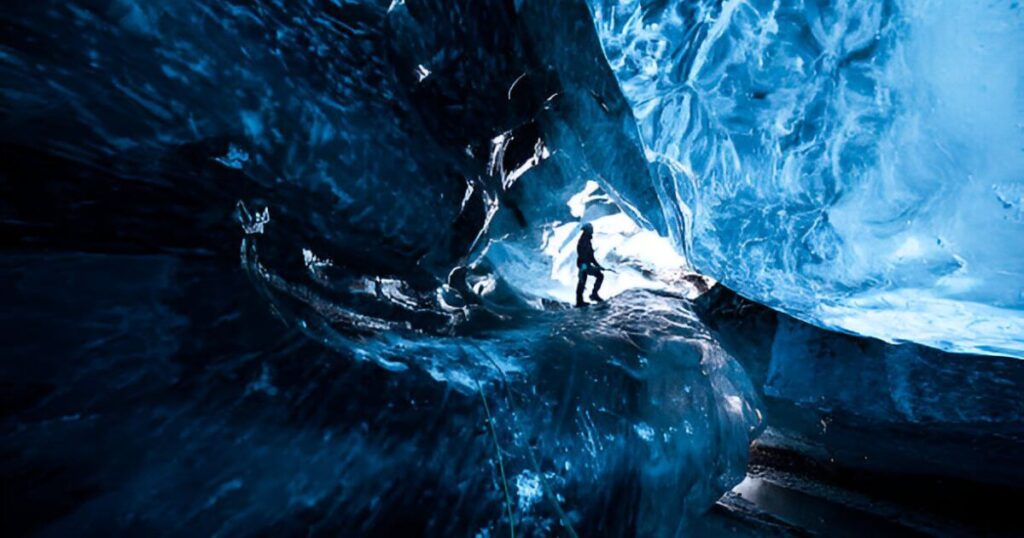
{"points": [[858, 164]]}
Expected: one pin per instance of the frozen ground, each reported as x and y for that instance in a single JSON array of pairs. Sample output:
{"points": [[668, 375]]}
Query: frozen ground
{"points": [[149, 415]]}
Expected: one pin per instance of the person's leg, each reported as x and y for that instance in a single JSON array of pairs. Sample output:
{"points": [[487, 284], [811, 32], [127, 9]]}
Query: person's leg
{"points": [[598, 279], [581, 284]]}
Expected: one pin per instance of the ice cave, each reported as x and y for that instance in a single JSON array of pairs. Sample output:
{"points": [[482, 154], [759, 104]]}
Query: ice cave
{"points": [[311, 268]]}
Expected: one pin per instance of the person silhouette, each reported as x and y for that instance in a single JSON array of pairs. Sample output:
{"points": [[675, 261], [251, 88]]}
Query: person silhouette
{"points": [[587, 265]]}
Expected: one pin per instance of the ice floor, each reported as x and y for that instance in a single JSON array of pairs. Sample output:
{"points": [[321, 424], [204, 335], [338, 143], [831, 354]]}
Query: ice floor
{"points": [[167, 406]]}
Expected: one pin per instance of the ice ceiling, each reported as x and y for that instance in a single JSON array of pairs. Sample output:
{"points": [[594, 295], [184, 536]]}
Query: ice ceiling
{"points": [[858, 164]]}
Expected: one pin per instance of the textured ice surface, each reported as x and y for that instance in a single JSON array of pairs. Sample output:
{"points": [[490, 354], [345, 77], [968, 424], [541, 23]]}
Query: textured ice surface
{"points": [[320, 111], [168, 405], [905, 384], [365, 147], [857, 164], [867, 404], [541, 261], [379, 365]]}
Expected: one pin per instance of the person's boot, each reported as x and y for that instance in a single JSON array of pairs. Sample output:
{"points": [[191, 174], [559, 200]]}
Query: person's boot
{"points": [[596, 298], [580, 303]]}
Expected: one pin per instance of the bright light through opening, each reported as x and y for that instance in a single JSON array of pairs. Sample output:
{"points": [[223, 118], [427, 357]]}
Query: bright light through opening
{"points": [[635, 257]]}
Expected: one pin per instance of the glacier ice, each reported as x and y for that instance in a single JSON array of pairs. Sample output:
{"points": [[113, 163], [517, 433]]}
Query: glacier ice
{"points": [[212, 418], [406, 179], [634, 394], [541, 261], [857, 164], [866, 404], [321, 112]]}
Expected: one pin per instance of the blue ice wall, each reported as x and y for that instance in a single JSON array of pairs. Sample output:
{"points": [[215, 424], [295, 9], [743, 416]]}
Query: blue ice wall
{"points": [[364, 126], [857, 164], [336, 381], [866, 404]]}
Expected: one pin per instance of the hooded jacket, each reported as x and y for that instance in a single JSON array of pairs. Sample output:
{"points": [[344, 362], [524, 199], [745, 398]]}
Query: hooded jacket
{"points": [[585, 251]]}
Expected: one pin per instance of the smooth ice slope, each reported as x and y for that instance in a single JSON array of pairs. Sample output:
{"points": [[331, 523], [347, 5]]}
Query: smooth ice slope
{"points": [[857, 164]]}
